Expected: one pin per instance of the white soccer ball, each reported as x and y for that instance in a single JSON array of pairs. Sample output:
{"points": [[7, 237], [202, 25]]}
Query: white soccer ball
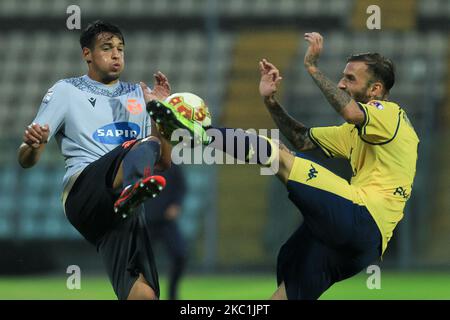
{"points": [[191, 106]]}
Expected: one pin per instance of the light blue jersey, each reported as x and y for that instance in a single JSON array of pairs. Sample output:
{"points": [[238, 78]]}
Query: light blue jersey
{"points": [[89, 118]]}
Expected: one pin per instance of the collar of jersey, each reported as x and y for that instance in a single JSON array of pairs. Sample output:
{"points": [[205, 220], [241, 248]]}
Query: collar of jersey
{"points": [[110, 87], [84, 83]]}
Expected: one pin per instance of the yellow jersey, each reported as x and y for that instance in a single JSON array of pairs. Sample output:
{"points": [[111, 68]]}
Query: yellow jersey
{"points": [[383, 155]]}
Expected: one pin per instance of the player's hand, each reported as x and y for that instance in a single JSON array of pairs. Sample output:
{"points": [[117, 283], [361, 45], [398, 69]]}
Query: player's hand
{"points": [[270, 77], [161, 88], [315, 41], [35, 135]]}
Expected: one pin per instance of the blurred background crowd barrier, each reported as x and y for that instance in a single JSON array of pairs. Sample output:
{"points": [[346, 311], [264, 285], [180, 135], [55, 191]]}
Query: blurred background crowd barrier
{"points": [[233, 218]]}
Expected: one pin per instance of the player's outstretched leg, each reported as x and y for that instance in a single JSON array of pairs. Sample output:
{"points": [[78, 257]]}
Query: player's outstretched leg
{"points": [[135, 175], [255, 149], [170, 119]]}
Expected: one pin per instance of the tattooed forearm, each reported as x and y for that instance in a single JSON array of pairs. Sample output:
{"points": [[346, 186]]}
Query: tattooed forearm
{"points": [[293, 130], [335, 96]]}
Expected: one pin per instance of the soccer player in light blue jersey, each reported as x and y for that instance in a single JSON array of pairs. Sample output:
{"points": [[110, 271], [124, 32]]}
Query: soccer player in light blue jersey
{"points": [[110, 148]]}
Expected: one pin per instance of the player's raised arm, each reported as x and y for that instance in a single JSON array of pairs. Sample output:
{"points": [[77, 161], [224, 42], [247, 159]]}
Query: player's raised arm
{"points": [[339, 99], [34, 140], [292, 129]]}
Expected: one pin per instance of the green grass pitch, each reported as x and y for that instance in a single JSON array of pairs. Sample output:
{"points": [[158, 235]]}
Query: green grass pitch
{"points": [[394, 285]]}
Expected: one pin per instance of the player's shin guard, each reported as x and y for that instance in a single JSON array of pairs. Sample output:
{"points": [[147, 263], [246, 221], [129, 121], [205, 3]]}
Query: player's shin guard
{"points": [[245, 146]]}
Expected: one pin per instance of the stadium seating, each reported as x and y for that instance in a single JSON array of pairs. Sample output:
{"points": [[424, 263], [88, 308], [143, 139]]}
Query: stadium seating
{"points": [[237, 8], [434, 8]]}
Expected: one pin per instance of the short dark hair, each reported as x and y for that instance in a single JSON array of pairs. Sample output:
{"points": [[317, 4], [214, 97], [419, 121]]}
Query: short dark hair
{"points": [[382, 68], [89, 34]]}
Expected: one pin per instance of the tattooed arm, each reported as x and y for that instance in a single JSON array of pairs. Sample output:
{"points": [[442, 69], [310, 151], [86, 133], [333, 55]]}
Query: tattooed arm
{"points": [[293, 130], [339, 99]]}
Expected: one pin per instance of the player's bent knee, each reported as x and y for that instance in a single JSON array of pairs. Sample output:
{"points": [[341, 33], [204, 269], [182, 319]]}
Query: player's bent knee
{"points": [[280, 293], [143, 294], [141, 290]]}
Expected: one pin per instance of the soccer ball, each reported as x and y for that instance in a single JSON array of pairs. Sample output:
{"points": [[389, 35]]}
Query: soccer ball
{"points": [[191, 106]]}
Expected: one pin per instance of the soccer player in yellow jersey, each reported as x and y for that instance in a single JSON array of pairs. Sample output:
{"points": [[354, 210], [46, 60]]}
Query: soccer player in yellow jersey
{"points": [[347, 226]]}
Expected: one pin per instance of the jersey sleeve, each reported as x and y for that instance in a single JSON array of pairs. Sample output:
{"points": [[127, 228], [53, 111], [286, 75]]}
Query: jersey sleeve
{"points": [[382, 120], [333, 141], [53, 108]]}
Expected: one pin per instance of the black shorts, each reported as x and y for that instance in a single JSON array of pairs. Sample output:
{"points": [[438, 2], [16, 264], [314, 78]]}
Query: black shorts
{"points": [[124, 244], [337, 239]]}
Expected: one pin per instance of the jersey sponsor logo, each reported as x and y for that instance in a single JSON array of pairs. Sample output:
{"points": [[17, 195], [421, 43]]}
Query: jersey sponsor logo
{"points": [[402, 192], [117, 133], [133, 106]]}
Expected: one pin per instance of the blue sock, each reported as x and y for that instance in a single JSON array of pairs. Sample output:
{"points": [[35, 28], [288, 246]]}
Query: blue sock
{"points": [[139, 161], [257, 149]]}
